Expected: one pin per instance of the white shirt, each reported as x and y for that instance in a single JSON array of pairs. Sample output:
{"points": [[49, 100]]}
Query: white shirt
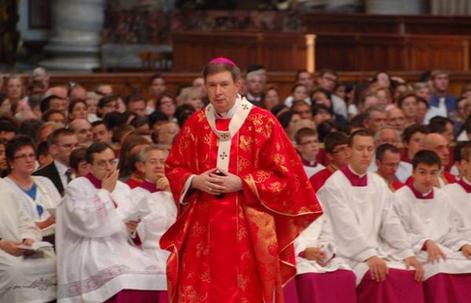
{"points": [[62, 169]]}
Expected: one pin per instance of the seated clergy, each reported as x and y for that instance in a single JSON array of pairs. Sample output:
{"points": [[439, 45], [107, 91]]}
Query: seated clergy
{"points": [[94, 223], [24, 276], [368, 235], [37, 195], [155, 190], [307, 145], [336, 147], [318, 270], [431, 222], [459, 193]]}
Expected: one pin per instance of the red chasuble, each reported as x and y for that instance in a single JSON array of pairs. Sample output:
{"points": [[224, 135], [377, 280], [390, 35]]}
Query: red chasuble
{"points": [[237, 248]]}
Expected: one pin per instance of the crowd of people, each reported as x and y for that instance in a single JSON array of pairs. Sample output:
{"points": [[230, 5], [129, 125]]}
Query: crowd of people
{"points": [[82, 169]]}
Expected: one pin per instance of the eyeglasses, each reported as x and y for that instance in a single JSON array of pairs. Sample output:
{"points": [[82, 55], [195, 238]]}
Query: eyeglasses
{"points": [[340, 150], [69, 145], [105, 163], [25, 156]]}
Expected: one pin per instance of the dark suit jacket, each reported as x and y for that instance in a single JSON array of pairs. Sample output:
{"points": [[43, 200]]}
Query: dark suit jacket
{"points": [[50, 171]]}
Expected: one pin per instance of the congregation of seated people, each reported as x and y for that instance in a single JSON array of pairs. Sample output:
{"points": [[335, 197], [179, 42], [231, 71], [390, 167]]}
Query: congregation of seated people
{"points": [[85, 199]]}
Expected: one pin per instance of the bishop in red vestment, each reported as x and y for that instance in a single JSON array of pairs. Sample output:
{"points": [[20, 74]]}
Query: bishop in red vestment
{"points": [[243, 199]]}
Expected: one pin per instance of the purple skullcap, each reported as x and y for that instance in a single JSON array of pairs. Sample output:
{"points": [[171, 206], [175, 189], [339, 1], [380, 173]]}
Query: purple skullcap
{"points": [[223, 60]]}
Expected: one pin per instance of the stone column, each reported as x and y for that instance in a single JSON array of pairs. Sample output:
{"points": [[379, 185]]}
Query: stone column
{"points": [[395, 7], [75, 40]]}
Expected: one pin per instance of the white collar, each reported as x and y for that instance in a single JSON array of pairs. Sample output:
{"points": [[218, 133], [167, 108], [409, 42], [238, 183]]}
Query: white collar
{"points": [[61, 168], [355, 173]]}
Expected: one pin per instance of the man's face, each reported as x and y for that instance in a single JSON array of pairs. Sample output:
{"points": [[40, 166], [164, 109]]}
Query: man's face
{"points": [[57, 118], [64, 147], [300, 93], [448, 134], [321, 116], [425, 177], [109, 107], [222, 91], [105, 90], [24, 160], [154, 164], [305, 78], [57, 104], [361, 152], [104, 164], [199, 84], [255, 85], [340, 155], [466, 167], [416, 143], [376, 121], [409, 107], [308, 147], [387, 167], [388, 136], [440, 82], [157, 87], [83, 130], [101, 134], [167, 133], [395, 119], [14, 89], [425, 93], [327, 81], [439, 145], [303, 110], [138, 108], [167, 106]]}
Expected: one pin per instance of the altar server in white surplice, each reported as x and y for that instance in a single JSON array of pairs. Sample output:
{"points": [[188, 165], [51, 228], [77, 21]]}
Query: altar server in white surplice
{"points": [[23, 277], [459, 193], [96, 259], [155, 190], [433, 226], [367, 233], [317, 267]]}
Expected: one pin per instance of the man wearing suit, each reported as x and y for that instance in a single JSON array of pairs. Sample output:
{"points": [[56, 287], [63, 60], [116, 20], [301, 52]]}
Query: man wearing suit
{"points": [[62, 142], [443, 103]]}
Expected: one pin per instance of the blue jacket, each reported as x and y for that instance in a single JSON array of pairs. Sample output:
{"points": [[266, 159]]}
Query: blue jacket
{"points": [[450, 102]]}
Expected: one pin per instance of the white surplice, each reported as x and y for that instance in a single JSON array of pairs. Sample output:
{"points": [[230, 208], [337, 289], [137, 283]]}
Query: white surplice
{"points": [[433, 219], [163, 213], [460, 200], [364, 223], [24, 278], [95, 257], [312, 170], [47, 197], [317, 234]]}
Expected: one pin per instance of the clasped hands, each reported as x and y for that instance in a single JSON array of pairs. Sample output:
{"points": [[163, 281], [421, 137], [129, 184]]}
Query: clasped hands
{"points": [[212, 183]]}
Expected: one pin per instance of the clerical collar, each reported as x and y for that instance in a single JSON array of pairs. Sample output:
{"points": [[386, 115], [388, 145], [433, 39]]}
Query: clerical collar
{"points": [[150, 186], [94, 180], [355, 179], [309, 163], [229, 114], [418, 194], [465, 184]]}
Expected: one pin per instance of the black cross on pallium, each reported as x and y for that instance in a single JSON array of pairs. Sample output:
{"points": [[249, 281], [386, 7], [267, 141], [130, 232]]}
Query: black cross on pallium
{"points": [[223, 156], [224, 136], [245, 107]]}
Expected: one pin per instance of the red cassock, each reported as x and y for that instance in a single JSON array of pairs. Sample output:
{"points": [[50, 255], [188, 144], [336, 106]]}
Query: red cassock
{"points": [[237, 248]]}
